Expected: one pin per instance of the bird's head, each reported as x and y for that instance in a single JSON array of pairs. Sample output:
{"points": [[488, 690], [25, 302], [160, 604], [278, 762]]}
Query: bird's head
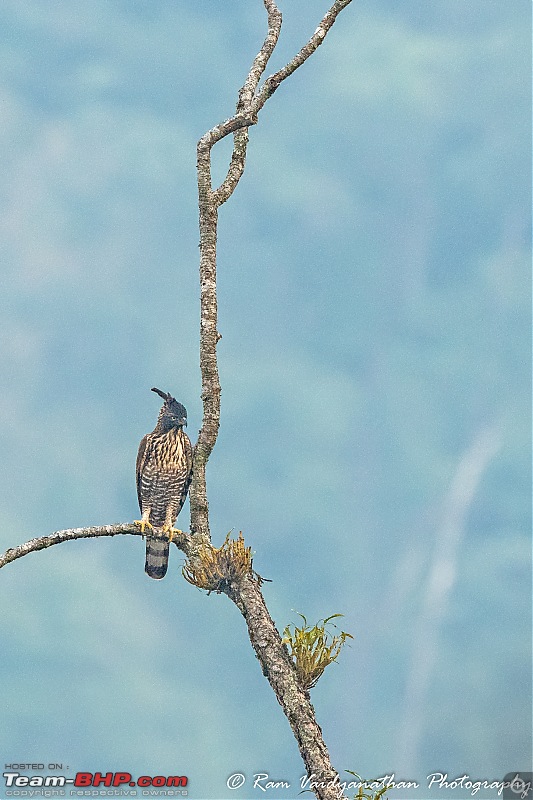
{"points": [[172, 414]]}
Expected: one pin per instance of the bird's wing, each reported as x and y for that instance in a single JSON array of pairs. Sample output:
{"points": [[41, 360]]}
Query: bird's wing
{"points": [[187, 452], [141, 460]]}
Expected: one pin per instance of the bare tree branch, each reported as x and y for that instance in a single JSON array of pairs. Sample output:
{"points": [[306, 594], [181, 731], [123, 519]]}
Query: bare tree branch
{"points": [[272, 83], [246, 96], [66, 536], [184, 541], [246, 594], [262, 58], [250, 103], [209, 200], [293, 698]]}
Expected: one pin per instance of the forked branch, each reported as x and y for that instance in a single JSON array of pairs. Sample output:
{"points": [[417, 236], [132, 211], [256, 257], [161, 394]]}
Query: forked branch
{"points": [[250, 102], [246, 593]]}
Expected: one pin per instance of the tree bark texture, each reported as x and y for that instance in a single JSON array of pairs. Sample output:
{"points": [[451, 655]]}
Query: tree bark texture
{"points": [[250, 102], [279, 669], [264, 637]]}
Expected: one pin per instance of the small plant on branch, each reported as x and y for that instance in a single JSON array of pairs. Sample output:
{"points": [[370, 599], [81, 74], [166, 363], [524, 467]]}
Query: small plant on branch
{"points": [[363, 791], [216, 568], [313, 648]]}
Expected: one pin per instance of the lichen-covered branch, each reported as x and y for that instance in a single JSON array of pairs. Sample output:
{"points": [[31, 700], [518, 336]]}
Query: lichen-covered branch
{"points": [[208, 346], [229, 570], [252, 101], [292, 697], [272, 83], [185, 542], [246, 96], [246, 594], [66, 536], [249, 103]]}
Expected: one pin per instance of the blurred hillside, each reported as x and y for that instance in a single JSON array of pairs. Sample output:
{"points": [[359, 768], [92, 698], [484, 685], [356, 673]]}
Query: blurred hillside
{"points": [[375, 310]]}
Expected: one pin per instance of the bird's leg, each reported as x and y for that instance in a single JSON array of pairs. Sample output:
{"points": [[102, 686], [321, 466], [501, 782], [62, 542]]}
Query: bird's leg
{"points": [[144, 521], [169, 528]]}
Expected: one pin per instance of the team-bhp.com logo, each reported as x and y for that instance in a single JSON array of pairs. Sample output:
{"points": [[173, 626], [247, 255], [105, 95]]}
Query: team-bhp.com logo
{"points": [[92, 779]]}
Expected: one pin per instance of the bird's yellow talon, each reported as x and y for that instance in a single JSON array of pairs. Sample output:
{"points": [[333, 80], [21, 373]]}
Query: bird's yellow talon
{"points": [[171, 531], [144, 524]]}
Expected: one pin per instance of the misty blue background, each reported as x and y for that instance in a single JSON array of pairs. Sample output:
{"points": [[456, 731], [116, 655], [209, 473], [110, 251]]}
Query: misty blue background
{"points": [[374, 447]]}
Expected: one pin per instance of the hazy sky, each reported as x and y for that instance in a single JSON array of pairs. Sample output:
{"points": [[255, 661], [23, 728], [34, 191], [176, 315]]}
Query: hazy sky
{"points": [[374, 447]]}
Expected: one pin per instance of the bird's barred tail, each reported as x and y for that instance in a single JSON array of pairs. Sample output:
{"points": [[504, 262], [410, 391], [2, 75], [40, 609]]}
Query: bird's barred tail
{"points": [[156, 557]]}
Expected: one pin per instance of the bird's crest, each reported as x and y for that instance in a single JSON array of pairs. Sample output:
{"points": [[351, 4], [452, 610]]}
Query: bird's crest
{"points": [[171, 404], [164, 395]]}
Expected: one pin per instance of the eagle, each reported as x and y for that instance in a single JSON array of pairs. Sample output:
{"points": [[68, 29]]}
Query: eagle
{"points": [[164, 471]]}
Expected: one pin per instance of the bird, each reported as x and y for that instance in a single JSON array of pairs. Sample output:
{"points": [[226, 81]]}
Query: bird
{"points": [[164, 472]]}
